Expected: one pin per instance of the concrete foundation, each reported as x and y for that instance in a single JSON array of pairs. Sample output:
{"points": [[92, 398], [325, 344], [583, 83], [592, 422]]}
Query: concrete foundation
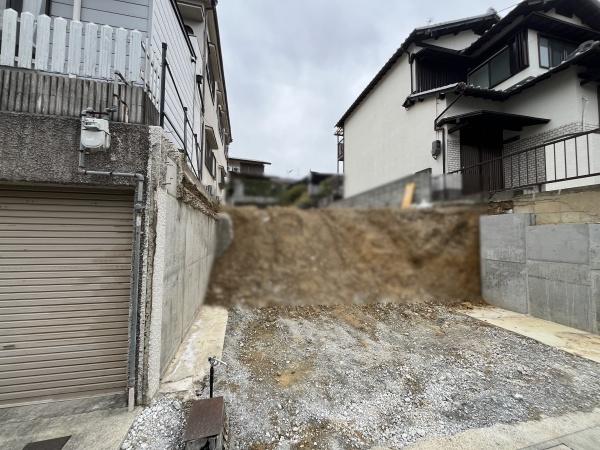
{"points": [[547, 271]]}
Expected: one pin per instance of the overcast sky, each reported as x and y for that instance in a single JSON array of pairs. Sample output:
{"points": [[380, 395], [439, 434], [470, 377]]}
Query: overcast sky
{"points": [[294, 67]]}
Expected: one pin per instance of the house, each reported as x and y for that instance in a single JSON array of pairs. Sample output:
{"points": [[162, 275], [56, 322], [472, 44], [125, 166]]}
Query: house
{"points": [[489, 103], [317, 180], [114, 131], [247, 166], [248, 184]]}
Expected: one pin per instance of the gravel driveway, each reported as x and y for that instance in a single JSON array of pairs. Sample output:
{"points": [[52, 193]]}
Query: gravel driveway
{"points": [[386, 375]]}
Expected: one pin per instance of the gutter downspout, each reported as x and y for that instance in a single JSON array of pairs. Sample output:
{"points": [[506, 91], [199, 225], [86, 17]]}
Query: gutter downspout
{"points": [[139, 207], [411, 61], [77, 10], [461, 92], [460, 89]]}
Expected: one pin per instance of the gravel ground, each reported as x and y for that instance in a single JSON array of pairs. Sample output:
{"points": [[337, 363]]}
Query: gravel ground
{"points": [[158, 427], [386, 375]]}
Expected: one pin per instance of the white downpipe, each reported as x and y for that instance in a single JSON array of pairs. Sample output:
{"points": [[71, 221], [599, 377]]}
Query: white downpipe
{"points": [[77, 10]]}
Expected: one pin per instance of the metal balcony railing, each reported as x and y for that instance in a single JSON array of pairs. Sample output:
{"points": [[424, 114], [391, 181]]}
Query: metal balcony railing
{"points": [[571, 157]]}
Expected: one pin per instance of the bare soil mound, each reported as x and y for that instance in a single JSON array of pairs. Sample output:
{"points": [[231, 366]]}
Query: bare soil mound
{"points": [[343, 256]]}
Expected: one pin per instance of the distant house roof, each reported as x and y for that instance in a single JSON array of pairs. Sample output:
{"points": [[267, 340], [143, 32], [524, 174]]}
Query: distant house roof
{"points": [[249, 161], [479, 24]]}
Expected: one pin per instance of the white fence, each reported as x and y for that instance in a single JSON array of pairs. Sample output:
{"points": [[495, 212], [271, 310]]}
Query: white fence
{"points": [[73, 48]]}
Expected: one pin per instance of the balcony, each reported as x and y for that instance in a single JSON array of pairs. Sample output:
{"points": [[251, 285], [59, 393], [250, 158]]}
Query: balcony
{"points": [[60, 67], [54, 66]]}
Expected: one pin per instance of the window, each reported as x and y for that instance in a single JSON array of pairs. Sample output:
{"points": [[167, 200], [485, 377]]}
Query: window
{"points": [[509, 61], [210, 161], [500, 68], [431, 74], [554, 51], [210, 79], [35, 7]]}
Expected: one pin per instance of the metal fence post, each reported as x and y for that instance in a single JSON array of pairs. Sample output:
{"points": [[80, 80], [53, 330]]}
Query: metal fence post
{"points": [[163, 83], [185, 124]]}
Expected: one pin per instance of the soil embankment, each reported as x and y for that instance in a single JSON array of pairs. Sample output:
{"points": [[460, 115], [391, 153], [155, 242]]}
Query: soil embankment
{"points": [[332, 257]]}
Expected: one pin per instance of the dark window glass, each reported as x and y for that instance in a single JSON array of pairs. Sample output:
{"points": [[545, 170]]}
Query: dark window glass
{"points": [[500, 68], [553, 52], [503, 65], [481, 77]]}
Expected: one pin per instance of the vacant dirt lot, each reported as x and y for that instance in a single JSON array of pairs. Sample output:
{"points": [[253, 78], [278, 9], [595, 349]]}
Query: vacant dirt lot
{"points": [[337, 256], [344, 377]]}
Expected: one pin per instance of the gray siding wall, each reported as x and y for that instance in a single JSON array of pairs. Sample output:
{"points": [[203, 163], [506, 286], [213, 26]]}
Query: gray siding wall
{"points": [[166, 28], [130, 14]]}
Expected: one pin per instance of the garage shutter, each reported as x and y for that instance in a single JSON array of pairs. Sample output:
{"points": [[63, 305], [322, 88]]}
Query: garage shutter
{"points": [[65, 266]]}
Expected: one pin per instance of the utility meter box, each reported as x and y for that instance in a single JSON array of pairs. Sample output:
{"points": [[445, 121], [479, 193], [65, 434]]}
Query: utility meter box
{"points": [[95, 134]]}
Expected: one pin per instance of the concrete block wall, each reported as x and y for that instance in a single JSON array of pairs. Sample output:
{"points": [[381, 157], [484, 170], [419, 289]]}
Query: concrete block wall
{"points": [[503, 261], [390, 194], [548, 271]]}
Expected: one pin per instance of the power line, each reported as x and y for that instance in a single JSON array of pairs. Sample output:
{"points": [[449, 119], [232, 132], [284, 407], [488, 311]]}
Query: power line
{"points": [[508, 7]]}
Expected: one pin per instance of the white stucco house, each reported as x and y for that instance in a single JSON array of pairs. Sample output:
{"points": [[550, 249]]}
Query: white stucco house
{"points": [[493, 103]]}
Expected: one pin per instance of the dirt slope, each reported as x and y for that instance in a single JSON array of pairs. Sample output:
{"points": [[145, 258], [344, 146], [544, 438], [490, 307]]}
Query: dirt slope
{"points": [[291, 256]]}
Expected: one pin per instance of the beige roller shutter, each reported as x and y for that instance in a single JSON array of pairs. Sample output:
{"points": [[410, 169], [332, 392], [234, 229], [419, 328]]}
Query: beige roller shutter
{"points": [[65, 266]]}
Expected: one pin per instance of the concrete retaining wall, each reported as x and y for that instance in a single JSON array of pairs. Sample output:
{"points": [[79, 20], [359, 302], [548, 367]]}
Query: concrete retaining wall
{"points": [[184, 249], [390, 194], [549, 271]]}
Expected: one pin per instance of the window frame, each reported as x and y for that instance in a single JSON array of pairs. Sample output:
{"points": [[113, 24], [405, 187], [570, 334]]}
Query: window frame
{"points": [[518, 57], [210, 76], [487, 63], [551, 38]]}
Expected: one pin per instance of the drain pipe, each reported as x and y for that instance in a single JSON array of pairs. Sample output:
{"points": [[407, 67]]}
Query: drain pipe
{"points": [[138, 211]]}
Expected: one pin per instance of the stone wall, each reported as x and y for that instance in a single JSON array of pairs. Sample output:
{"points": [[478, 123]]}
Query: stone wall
{"points": [[548, 271], [390, 194], [572, 206]]}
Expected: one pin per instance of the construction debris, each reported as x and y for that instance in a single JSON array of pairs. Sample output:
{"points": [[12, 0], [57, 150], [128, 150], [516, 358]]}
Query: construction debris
{"points": [[387, 375], [158, 427]]}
